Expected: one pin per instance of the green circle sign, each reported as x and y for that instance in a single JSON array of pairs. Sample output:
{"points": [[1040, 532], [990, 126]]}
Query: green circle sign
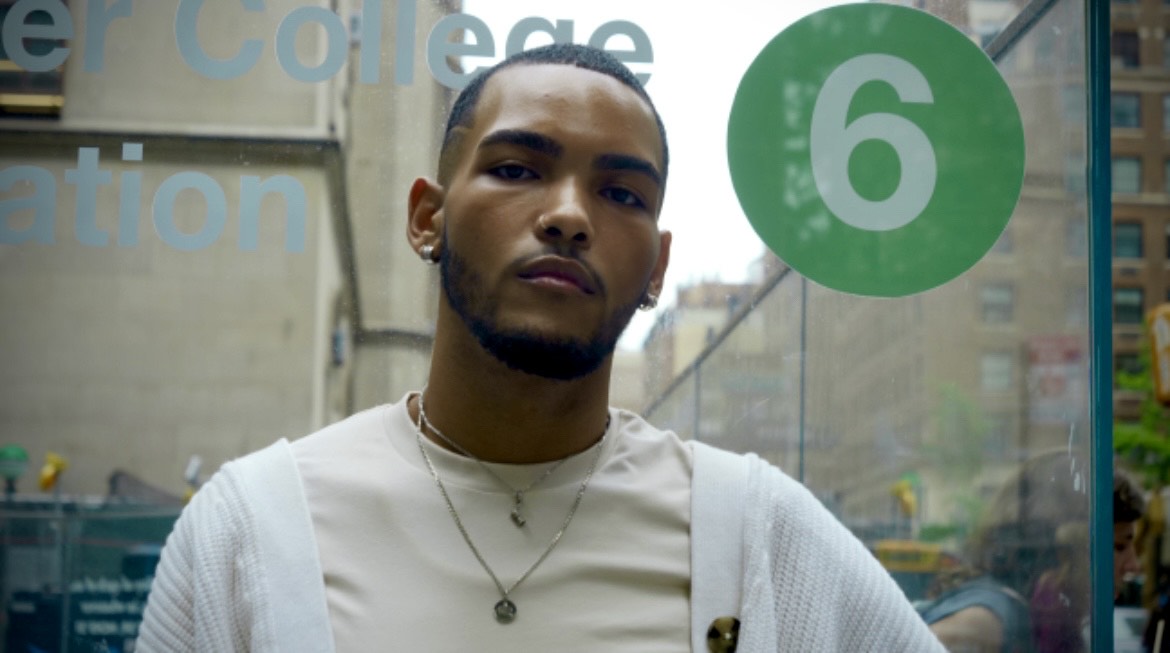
{"points": [[876, 149]]}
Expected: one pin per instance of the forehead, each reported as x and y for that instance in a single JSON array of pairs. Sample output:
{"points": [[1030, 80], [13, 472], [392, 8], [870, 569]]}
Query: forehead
{"points": [[568, 103]]}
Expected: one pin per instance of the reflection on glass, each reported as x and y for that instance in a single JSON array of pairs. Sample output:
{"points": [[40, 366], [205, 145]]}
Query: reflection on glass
{"points": [[920, 420]]}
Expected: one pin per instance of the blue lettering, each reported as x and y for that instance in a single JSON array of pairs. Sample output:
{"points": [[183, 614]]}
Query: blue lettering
{"points": [[87, 177], [97, 22], [164, 210], [42, 202], [335, 43], [404, 43], [16, 29], [186, 19], [252, 190], [369, 60], [129, 196], [439, 48], [642, 51], [562, 32]]}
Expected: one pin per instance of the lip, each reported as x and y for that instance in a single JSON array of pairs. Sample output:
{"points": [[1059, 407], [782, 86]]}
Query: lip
{"points": [[557, 271]]}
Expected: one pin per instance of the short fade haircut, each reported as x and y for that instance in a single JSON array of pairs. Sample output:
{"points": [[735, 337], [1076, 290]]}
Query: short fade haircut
{"points": [[568, 54]]}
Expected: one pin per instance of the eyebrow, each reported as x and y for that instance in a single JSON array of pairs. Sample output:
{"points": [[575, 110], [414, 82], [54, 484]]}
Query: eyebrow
{"points": [[627, 162], [523, 138], [538, 142]]}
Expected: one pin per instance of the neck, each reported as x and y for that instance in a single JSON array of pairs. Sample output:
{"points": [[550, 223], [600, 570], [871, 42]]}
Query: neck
{"points": [[503, 415]]}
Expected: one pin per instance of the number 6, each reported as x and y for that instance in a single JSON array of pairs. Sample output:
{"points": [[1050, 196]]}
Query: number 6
{"points": [[831, 142]]}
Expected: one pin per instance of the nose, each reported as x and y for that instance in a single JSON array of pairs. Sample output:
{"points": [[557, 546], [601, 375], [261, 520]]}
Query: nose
{"points": [[567, 219]]}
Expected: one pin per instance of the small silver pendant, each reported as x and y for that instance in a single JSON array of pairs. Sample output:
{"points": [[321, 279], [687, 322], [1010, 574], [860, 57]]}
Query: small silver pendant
{"points": [[505, 611], [517, 516]]}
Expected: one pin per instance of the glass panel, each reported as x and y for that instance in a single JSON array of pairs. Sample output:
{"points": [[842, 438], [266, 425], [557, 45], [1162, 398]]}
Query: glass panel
{"points": [[205, 254], [925, 421]]}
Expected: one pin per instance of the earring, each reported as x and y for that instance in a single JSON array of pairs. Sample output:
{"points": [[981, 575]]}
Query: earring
{"points": [[427, 254], [649, 301]]}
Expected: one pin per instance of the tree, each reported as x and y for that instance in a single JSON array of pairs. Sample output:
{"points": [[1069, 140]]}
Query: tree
{"points": [[1144, 444]]}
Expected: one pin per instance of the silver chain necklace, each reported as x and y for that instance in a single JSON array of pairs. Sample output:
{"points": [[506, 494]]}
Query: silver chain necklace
{"points": [[505, 609], [517, 514]]}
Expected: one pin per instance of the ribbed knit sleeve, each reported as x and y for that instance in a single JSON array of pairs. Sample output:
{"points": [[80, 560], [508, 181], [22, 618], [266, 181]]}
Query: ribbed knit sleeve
{"points": [[207, 592], [811, 585]]}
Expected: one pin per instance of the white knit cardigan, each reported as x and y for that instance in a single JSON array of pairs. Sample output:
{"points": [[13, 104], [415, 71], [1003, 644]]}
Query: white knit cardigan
{"points": [[240, 571]]}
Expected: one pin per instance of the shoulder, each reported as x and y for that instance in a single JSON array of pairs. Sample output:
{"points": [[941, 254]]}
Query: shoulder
{"points": [[803, 565], [368, 425], [973, 628]]}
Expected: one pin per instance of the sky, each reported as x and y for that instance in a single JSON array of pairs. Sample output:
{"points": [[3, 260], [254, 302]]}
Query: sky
{"points": [[700, 53]]}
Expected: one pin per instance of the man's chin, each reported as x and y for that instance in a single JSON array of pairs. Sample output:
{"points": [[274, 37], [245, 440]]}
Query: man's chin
{"points": [[550, 357]]}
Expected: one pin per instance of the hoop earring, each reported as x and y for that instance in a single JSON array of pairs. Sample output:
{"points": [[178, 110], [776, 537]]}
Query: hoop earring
{"points": [[427, 254], [649, 301]]}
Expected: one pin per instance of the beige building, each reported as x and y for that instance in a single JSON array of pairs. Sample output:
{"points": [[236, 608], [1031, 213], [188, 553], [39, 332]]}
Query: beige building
{"points": [[682, 331], [1141, 178], [202, 251]]}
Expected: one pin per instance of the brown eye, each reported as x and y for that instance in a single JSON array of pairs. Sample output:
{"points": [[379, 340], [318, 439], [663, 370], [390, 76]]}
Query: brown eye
{"points": [[623, 196], [512, 172]]}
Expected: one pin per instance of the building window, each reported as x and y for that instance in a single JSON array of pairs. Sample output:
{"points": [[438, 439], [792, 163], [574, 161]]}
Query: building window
{"points": [[1125, 50], [1127, 240], [1127, 362], [996, 370], [24, 93], [1128, 305], [1127, 175], [997, 443], [1126, 110], [998, 302]]}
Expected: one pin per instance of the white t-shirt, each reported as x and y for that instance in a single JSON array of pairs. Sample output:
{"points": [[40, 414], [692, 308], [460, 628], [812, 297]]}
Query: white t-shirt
{"points": [[398, 574]]}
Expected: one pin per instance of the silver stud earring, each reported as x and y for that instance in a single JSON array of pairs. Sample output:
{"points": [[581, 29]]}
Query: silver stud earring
{"points": [[427, 254], [649, 301]]}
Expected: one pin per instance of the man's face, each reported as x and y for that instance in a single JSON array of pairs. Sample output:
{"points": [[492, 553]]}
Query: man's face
{"points": [[550, 236]]}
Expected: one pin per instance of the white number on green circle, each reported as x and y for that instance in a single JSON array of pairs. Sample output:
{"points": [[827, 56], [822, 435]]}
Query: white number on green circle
{"points": [[831, 142]]}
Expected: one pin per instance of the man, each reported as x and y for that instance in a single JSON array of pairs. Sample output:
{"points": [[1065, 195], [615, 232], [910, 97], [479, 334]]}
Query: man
{"points": [[506, 506]]}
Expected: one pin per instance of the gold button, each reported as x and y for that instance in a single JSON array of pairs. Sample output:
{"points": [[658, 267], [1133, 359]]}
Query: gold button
{"points": [[723, 635]]}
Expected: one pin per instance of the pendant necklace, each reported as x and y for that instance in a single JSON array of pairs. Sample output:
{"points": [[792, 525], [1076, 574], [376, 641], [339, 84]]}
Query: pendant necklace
{"points": [[517, 514], [505, 608]]}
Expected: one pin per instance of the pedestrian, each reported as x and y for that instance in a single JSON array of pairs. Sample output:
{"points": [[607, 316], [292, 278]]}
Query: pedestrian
{"points": [[506, 506]]}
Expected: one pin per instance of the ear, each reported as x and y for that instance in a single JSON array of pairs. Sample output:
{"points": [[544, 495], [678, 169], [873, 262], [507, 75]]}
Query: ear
{"points": [[424, 225], [658, 274]]}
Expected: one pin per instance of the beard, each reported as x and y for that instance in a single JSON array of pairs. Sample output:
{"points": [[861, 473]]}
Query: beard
{"points": [[561, 359]]}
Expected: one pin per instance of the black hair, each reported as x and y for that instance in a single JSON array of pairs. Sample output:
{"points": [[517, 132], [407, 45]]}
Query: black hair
{"points": [[569, 54], [1128, 504]]}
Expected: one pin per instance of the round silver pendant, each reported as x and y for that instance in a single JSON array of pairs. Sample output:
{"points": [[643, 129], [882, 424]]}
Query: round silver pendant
{"points": [[505, 611]]}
